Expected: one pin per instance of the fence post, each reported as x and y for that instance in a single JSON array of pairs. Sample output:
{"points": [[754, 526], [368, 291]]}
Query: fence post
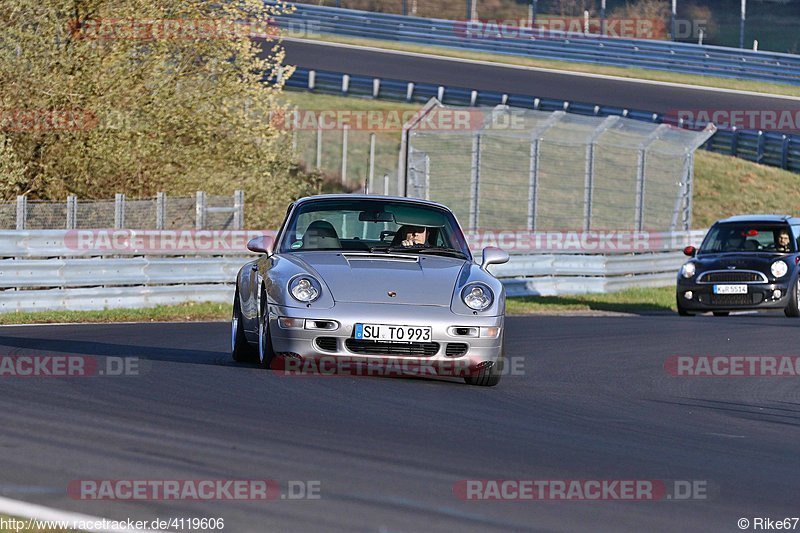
{"points": [[427, 171], [345, 131], [386, 184], [588, 191], [200, 210], [475, 183], [72, 211], [22, 212], [371, 162], [238, 209], [533, 166], [119, 210], [161, 210]]}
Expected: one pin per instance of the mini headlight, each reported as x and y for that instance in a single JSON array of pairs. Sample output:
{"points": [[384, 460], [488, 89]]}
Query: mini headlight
{"points": [[688, 270], [304, 289], [779, 269], [477, 296]]}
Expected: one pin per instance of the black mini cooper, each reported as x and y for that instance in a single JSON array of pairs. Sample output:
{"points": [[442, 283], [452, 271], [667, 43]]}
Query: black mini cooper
{"points": [[744, 262]]}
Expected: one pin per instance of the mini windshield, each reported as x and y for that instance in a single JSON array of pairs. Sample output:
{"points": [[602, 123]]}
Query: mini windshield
{"points": [[365, 225], [743, 237]]}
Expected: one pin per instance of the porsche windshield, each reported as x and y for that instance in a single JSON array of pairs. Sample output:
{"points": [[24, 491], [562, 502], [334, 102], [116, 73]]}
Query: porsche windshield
{"points": [[744, 237], [363, 225]]}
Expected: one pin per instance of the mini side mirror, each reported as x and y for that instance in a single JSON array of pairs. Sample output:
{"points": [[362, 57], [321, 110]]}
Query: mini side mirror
{"points": [[690, 251]]}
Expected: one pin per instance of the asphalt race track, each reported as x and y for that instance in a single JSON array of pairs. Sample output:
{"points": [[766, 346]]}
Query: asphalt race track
{"points": [[612, 92], [593, 402]]}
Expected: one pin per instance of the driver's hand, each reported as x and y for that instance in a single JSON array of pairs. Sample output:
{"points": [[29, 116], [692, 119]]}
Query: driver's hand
{"points": [[406, 243]]}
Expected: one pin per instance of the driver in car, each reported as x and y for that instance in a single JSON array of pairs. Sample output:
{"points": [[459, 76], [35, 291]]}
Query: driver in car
{"points": [[414, 236], [782, 244]]}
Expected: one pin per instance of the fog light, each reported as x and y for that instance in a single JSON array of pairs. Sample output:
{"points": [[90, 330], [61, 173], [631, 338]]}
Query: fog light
{"points": [[688, 295], [776, 293], [492, 332], [286, 322]]}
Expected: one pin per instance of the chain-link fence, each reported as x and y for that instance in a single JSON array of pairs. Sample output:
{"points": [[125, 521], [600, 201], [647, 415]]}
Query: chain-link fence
{"points": [[161, 212], [517, 168]]}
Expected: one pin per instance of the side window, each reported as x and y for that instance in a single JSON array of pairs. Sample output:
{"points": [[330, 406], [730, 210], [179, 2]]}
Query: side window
{"points": [[796, 235]]}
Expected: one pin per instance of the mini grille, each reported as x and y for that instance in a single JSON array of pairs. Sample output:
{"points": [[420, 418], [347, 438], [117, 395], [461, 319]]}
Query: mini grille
{"points": [[454, 349], [411, 349], [736, 299], [327, 344], [732, 276]]}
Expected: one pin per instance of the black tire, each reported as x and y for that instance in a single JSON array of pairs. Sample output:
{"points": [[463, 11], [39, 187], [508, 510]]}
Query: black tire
{"points": [[266, 354], [241, 350], [681, 310], [792, 309], [721, 313]]}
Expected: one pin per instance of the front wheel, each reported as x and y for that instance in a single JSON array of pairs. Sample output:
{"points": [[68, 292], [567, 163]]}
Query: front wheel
{"points": [[265, 352], [681, 310], [793, 307], [241, 350]]}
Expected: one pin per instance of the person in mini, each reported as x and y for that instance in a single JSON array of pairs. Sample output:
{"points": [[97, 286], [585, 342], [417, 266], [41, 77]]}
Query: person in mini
{"points": [[782, 244]]}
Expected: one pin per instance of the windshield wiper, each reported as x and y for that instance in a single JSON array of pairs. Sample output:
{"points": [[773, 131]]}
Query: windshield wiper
{"points": [[427, 249]]}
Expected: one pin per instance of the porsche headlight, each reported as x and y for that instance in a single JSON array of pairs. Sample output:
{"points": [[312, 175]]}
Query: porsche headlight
{"points": [[779, 269], [688, 270], [304, 289], [477, 296]]}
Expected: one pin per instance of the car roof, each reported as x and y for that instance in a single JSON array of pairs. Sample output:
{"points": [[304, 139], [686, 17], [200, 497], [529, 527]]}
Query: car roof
{"points": [[376, 197], [786, 219]]}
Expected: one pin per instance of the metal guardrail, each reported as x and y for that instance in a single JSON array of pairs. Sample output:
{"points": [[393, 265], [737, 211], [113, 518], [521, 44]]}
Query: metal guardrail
{"points": [[768, 148], [107, 281], [557, 45]]}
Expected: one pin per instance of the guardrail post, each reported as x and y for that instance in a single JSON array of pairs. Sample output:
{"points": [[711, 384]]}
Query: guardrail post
{"points": [[784, 152], [238, 209], [475, 183], [345, 130], [386, 185], [161, 210], [735, 142], [760, 147], [376, 87], [345, 83], [200, 210], [22, 212], [409, 91], [72, 211], [312, 78], [119, 210]]}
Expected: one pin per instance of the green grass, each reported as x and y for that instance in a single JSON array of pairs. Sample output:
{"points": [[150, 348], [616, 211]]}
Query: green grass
{"points": [[163, 313], [628, 301], [624, 72]]}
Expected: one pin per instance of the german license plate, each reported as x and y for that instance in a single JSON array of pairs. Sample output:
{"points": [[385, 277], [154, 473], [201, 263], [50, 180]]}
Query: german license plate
{"points": [[730, 289], [384, 332]]}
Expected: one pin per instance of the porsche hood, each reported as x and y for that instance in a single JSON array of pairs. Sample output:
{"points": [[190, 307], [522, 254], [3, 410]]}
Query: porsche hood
{"points": [[385, 278]]}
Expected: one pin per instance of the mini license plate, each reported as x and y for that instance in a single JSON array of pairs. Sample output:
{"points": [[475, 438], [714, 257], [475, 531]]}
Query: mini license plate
{"points": [[384, 332], [730, 289]]}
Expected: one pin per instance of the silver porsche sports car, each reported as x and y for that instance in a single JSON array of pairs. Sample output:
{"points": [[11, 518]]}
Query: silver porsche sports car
{"points": [[372, 280]]}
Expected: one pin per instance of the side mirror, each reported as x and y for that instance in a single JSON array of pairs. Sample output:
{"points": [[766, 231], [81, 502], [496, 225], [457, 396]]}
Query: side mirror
{"points": [[261, 245], [690, 251], [493, 256]]}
